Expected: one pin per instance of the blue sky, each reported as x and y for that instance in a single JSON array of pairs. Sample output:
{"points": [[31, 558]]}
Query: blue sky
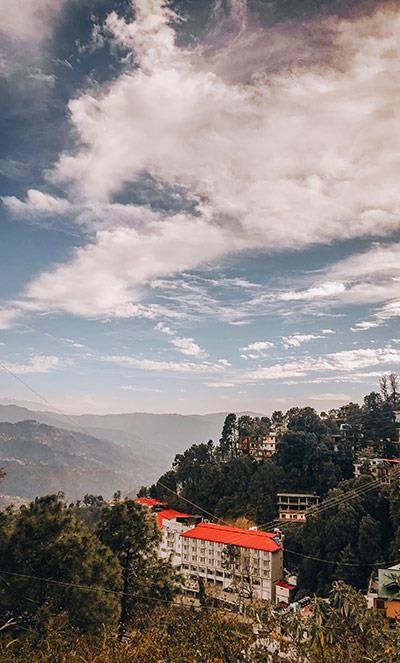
{"points": [[200, 203]]}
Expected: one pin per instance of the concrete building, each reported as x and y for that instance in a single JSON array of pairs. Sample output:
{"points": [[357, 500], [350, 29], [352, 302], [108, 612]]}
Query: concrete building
{"points": [[284, 593], [236, 561], [172, 523], [293, 506], [258, 449]]}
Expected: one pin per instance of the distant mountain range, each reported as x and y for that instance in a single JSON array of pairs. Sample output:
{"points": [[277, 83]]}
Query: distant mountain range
{"points": [[44, 451]]}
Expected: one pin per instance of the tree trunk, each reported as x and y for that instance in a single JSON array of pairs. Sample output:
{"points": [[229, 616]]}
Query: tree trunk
{"points": [[124, 600]]}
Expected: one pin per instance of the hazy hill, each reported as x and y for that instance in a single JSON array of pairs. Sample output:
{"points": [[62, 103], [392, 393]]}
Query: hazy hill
{"points": [[145, 443], [42, 459]]}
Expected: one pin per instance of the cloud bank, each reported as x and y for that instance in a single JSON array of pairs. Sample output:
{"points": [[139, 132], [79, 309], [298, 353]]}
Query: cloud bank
{"points": [[279, 162]]}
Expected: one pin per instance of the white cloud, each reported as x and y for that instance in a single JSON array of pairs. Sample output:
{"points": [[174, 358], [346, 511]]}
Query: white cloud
{"points": [[220, 385], [330, 397], [182, 123], [343, 361], [322, 291], [162, 327], [296, 340], [28, 20], [37, 364], [258, 346], [141, 390], [164, 366], [185, 345], [36, 202], [106, 277], [365, 326], [371, 277], [253, 155], [8, 317]]}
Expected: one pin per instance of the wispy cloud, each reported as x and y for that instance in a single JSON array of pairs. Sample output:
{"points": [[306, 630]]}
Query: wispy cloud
{"points": [[36, 364], [338, 362], [296, 340], [184, 344], [164, 366], [180, 117]]}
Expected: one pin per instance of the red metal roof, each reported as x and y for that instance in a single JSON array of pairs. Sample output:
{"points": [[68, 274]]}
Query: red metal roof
{"points": [[285, 585], [391, 460], [150, 501], [170, 514], [243, 538]]}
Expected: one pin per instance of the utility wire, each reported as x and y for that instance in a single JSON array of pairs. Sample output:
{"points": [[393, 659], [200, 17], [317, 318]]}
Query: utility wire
{"points": [[330, 503], [197, 506], [103, 590], [339, 563], [335, 501]]}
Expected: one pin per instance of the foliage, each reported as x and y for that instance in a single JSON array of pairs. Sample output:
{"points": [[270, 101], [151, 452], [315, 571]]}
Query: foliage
{"points": [[131, 532], [44, 552], [338, 630], [357, 532]]}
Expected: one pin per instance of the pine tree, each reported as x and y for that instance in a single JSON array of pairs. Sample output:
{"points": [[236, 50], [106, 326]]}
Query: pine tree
{"points": [[51, 554], [228, 436], [131, 532]]}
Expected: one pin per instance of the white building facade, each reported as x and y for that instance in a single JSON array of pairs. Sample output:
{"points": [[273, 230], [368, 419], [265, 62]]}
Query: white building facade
{"points": [[233, 560]]}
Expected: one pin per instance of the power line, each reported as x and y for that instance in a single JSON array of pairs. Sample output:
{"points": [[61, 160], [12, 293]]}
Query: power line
{"points": [[104, 590], [75, 425], [197, 506], [326, 505], [335, 501], [42, 398], [339, 563]]}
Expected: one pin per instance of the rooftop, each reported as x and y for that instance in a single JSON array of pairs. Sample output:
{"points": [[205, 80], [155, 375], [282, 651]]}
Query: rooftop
{"points": [[150, 501], [285, 585], [170, 514], [243, 538]]}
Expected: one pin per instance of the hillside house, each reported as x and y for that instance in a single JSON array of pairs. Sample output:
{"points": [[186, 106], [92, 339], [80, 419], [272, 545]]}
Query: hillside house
{"points": [[293, 506], [256, 448], [384, 594]]}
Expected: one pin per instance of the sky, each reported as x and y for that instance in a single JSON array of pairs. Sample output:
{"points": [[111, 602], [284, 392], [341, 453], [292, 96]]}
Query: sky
{"points": [[200, 207]]}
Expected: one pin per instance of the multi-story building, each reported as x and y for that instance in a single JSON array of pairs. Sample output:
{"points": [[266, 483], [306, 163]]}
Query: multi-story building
{"points": [[293, 506], [256, 448], [229, 559], [172, 523]]}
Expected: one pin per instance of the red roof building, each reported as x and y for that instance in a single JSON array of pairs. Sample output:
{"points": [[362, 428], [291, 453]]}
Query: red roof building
{"points": [[243, 538], [150, 501], [251, 568], [170, 514]]}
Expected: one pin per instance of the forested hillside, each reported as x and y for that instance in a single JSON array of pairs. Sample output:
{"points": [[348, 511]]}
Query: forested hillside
{"points": [[315, 453], [40, 459]]}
